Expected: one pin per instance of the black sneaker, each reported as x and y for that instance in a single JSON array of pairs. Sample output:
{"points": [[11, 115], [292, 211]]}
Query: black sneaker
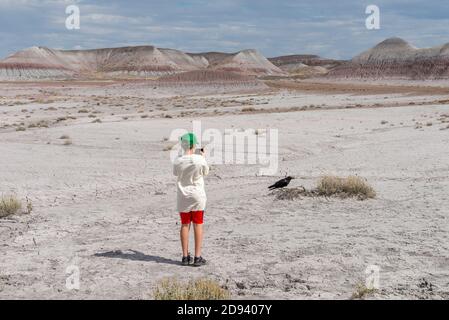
{"points": [[199, 261], [186, 260]]}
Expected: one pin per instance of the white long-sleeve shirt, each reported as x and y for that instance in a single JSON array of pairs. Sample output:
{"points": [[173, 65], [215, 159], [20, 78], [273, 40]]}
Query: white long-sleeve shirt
{"points": [[190, 170]]}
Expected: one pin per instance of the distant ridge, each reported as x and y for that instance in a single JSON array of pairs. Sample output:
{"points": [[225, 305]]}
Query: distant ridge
{"points": [[138, 61], [395, 58]]}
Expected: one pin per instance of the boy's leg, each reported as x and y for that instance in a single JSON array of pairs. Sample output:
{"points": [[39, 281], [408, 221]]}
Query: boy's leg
{"points": [[185, 239], [198, 219], [198, 229]]}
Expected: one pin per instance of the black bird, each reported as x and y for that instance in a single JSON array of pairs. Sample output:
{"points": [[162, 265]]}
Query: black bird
{"points": [[281, 183]]}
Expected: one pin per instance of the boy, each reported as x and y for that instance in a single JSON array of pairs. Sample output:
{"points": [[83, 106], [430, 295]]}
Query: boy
{"points": [[190, 169]]}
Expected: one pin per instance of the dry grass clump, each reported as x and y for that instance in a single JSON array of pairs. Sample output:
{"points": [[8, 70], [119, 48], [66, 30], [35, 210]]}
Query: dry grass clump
{"points": [[170, 146], [60, 119], [44, 101], [249, 109], [67, 140], [330, 186], [9, 205], [200, 289], [39, 124], [351, 186], [17, 103], [362, 291]]}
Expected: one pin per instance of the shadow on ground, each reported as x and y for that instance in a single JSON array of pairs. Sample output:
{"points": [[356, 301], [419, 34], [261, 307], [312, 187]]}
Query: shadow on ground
{"points": [[135, 256]]}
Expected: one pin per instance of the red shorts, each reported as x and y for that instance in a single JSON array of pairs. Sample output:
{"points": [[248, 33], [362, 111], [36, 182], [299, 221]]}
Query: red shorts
{"points": [[193, 216]]}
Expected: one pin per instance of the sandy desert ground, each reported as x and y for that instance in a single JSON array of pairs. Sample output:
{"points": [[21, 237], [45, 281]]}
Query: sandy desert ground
{"points": [[105, 200]]}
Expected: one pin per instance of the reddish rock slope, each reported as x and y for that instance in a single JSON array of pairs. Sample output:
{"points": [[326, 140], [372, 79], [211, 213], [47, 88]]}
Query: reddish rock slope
{"points": [[396, 59]]}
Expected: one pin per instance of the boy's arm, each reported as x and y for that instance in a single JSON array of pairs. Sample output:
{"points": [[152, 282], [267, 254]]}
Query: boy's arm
{"points": [[205, 168], [175, 169]]}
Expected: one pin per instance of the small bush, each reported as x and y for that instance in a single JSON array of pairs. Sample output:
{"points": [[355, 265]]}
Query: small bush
{"points": [[200, 289], [362, 291], [9, 205], [328, 186], [351, 186]]}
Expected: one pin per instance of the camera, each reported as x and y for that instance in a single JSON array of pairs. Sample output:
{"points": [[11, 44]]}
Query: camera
{"points": [[199, 151]]}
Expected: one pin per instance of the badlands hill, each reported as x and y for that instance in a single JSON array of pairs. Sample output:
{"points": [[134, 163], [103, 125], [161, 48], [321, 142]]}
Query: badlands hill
{"points": [[394, 58], [305, 66], [140, 61], [250, 62]]}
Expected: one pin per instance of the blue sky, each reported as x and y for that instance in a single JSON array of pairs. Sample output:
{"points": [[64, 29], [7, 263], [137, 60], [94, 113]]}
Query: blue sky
{"points": [[334, 29]]}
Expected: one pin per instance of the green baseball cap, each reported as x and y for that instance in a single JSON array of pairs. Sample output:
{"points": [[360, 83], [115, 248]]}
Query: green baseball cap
{"points": [[190, 139]]}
